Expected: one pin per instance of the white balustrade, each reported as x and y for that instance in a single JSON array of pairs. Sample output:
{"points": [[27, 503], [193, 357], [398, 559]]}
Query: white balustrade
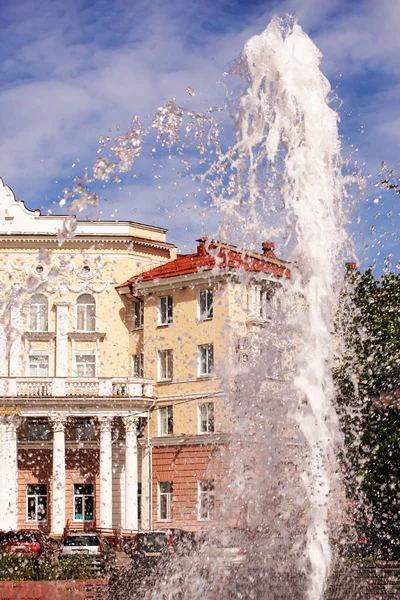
{"points": [[59, 387]]}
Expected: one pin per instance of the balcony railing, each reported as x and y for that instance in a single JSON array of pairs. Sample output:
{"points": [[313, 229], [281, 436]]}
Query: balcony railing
{"points": [[99, 387]]}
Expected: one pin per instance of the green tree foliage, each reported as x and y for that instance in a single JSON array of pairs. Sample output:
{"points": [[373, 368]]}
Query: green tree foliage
{"points": [[367, 376]]}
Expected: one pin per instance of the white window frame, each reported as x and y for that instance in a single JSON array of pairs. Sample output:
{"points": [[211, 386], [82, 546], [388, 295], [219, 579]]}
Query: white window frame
{"points": [[262, 302], [137, 314], [168, 499], [36, 498], [85, 375], [206, 417], [165, 365], [206, 308], [165, 310], [138, 365], [206, 360], [166, 420], [84, 496], [35, 316], [86, 314], [206, 498], [44, 357]]}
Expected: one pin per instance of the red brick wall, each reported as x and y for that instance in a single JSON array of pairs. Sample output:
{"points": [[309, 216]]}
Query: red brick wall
{"points": [[36, 466], [184, 466], [56, 590]]}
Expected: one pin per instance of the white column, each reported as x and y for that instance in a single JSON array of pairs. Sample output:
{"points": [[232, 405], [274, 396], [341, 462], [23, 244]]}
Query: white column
{"points": [[58, 504], [62, 338], [8, 475], [15, 339], [131, 473], [105, 472], [146, 488]]}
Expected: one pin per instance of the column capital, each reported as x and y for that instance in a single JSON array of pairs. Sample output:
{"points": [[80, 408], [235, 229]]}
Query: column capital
{"points": [[58, 422], [131, 423], [12, 425], [106, 423], [61, 302]]}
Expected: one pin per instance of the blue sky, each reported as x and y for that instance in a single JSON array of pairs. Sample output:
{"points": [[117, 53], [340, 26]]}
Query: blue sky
{"points": [[71, 71]]}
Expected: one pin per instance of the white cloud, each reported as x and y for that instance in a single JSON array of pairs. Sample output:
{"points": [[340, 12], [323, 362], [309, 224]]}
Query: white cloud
{"points": [[70, 72]]}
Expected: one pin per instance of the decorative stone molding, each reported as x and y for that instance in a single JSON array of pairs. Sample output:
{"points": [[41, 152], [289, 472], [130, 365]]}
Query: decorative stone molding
{"points": [[40, 336], [86, 336], [61, 302], [106, 423], [58, 422], [131, 423]]}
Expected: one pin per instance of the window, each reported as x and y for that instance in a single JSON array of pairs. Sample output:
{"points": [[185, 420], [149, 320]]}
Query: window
{"points": [[85, 313], [165, 310], [166, 420], [137, 314], [83, 502], [38, 313], [38, 430], [165, 364], [38, 366], [262, 302], [206, 359], [84, 430], [206, 499], [206, 417], [36, 502], [85, 365], [138, 365], [164, 500], [206, 304]]}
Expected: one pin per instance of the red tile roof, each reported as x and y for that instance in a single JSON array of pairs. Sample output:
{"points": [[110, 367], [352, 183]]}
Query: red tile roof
{"points": [[213, 254]]}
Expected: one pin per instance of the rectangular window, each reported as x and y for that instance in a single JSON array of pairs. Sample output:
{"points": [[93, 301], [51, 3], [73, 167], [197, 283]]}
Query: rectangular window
{"points": [[86, 317], [36, 502], [206, 359], [138, 365], [165, 310], [164, 500], [166, 420], [38, 430], [137, 314], [206, 417], [206, 304], [38, 315], [38, 366], [165, 364], [84, 430], [85, 365], [206, 499], [83, 502]]}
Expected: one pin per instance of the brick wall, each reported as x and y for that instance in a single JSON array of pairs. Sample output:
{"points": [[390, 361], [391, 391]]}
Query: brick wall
{"points": [[184, 466], [56, 590]]}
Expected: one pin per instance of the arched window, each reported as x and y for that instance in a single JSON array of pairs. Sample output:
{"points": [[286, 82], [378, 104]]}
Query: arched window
{"points": [[39, 313], [85, 313]]}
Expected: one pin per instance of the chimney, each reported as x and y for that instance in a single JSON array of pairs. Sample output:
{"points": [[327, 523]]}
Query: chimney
{"points": [[201, 246], [268, 249], [351, 266]]}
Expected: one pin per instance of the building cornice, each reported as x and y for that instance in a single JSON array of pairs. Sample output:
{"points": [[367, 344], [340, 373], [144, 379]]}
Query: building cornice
{"points": [[205, 439]]}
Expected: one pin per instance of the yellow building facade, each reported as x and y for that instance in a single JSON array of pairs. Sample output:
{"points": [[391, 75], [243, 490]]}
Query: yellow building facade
{"points": [[113, 395]]}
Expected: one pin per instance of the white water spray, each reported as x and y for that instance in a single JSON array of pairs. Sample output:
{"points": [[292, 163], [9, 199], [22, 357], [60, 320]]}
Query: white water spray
{"points": [[285, 124]]}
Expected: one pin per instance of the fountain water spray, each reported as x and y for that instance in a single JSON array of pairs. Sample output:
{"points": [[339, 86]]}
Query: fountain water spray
{"points": [[286, 130]]}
